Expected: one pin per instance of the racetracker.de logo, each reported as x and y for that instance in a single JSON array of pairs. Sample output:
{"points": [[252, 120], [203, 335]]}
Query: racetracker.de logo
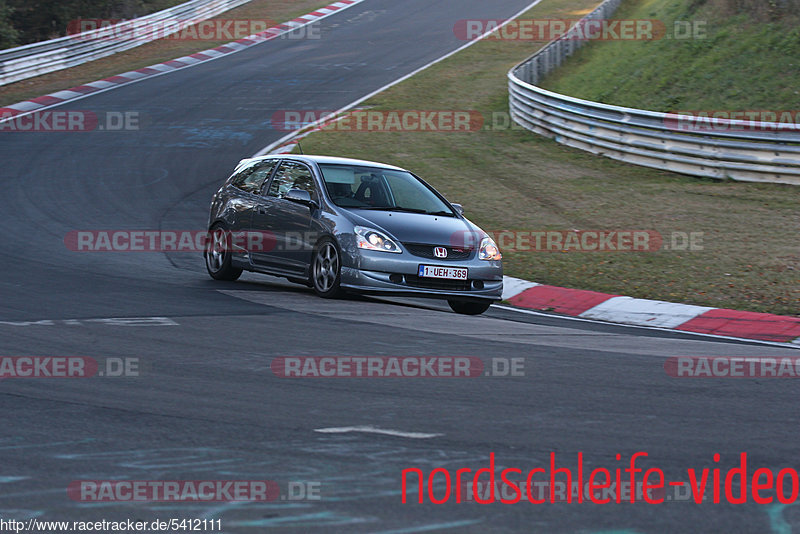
{"points": [[732, 367], [173, 29], [721, 121], [564, 240], [173, 490], [358, 120], [68, 367], [377, 367], [47, 367], [70, 121], [548, 29], [177, 241]]}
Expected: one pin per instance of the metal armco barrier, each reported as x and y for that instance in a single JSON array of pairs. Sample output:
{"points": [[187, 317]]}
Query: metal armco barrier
{"points": [[728, 149], [47, 56]]}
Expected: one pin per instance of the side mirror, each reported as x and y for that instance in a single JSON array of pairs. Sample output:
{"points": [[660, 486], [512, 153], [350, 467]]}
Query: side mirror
{"points": [[459, 208], [300, 196]]}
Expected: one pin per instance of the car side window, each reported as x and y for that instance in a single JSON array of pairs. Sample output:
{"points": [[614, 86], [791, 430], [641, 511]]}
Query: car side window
{"points": [[252, 177], [291, 175]]}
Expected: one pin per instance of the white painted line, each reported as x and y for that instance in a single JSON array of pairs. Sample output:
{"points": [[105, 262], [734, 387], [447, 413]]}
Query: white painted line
{"points": [[644, 312], [373, 430], [514, 286], [267, 149], [792, 345]]}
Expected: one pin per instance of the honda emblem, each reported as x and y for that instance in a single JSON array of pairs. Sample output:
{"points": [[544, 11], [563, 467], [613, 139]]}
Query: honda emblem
{"points": [[440, 252]]}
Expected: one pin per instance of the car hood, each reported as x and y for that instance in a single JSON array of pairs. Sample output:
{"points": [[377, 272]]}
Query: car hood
{"points": [[419, 227]]}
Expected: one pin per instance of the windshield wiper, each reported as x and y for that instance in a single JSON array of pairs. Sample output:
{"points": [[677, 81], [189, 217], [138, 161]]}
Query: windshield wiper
{"points": [[407, 210], [395, 208]]}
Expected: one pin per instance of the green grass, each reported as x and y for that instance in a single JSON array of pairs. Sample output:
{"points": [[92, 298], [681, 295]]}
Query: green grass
{"points": [[515, 180], [736, 63]]}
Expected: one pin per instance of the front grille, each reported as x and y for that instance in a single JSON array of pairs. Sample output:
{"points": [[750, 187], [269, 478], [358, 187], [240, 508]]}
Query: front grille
{"points": [[437, 283], [426, 251]]}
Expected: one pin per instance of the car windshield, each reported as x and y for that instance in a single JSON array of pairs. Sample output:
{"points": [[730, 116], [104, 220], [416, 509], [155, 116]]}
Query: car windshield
{"points": [[375, 188]]}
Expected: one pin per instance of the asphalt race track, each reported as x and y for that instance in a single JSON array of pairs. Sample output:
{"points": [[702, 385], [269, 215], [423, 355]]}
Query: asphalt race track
{"points": [[207, 406]]}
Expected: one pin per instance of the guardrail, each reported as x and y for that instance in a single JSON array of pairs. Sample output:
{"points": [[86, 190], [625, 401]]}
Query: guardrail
{"points": [[733, 149], [34, 59]]}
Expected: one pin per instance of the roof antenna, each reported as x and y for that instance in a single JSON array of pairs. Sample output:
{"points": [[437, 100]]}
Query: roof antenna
{"points": [[301, 148]]}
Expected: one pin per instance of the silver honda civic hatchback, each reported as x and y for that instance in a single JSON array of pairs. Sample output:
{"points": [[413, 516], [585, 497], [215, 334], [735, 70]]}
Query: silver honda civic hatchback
{"points": [[346, 225]]}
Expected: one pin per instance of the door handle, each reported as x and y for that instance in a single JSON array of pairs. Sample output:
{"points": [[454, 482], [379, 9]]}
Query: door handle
{"points": [[262, 210]]}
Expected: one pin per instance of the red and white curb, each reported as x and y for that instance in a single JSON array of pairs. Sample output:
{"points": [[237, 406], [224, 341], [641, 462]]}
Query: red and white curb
{"points": [[37, 104], [653, 313]]}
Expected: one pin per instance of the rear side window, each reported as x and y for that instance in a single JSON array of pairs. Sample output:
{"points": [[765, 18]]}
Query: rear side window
{"points": [[291, 175], [252, 177]]}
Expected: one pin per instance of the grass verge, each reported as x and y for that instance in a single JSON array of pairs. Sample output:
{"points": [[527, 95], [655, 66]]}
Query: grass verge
{"points": [[734, 62], [515, 180]]}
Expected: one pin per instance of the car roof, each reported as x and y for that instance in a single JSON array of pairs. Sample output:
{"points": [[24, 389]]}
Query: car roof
{"points": [[308, 158]]}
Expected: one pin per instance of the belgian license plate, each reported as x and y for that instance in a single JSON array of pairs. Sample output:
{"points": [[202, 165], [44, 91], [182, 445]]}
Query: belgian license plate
{"points": [[450, 273]]}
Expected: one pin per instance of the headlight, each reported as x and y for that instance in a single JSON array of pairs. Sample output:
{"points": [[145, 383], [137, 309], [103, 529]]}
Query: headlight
{"points": [[488, 250], [370, 239]]}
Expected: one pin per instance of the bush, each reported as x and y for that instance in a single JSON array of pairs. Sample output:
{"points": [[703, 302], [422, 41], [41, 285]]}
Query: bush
{"points": [[8, 35], [30, 21]]}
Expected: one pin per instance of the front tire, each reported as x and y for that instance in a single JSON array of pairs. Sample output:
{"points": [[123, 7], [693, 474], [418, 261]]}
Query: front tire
{"points": [[468, 308], [326, 270], [218, 255]]}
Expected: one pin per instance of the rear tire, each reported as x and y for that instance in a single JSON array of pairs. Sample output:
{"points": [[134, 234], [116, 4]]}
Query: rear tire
{"points": [[218, 255], [468, 308], [326, 270]]}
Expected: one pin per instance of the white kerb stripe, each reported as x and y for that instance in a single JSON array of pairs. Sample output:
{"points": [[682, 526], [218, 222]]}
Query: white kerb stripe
{"points": [[25, 106], [65, 95], [514, 286], [100, 84], [644, 312]]}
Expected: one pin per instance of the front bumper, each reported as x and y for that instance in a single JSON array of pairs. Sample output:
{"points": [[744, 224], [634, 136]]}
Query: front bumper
{"points": [[477, 288]]}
